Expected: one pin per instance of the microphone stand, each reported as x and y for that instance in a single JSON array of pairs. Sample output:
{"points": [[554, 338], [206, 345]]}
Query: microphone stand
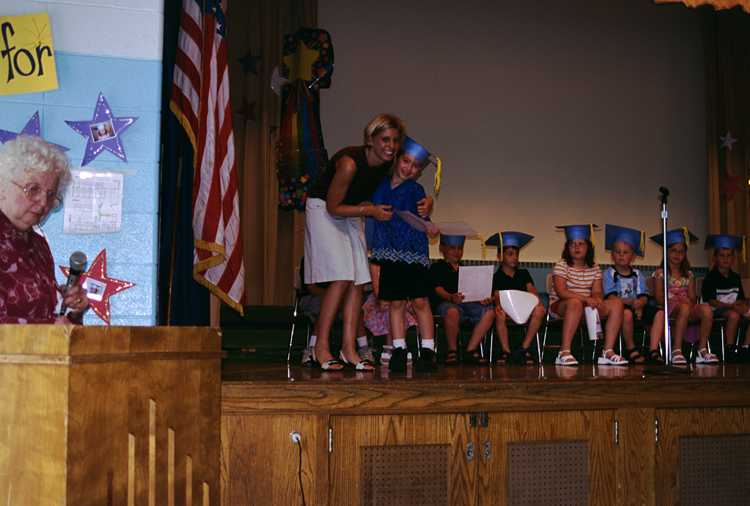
{"points": [[667, 340]]}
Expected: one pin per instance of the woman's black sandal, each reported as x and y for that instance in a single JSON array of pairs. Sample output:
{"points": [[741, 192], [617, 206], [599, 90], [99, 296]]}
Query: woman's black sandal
{"points": [[523, 355], [504, 358], [451, 357]]}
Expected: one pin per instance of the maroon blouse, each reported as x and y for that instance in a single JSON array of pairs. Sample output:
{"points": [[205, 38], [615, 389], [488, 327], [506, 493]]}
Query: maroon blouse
{"points": [[28, 288]]}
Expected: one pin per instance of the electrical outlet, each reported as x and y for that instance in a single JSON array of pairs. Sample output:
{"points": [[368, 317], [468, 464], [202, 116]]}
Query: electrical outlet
{"points": [[295, 437]]}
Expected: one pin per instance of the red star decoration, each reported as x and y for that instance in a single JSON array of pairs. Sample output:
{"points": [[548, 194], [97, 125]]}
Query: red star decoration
{"points": [[100, 287], [731, 185], [247, 110]]}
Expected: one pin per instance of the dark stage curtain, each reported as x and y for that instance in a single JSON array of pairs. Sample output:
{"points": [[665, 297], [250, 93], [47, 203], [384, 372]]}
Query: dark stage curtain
{"points": [[726, 47]]}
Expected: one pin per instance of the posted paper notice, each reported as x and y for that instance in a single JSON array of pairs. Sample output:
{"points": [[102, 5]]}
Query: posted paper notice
{"points": [[93, 203]]}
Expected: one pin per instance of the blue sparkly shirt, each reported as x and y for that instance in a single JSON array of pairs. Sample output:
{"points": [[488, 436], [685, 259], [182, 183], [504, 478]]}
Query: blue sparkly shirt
{"points": [[396, 240]]}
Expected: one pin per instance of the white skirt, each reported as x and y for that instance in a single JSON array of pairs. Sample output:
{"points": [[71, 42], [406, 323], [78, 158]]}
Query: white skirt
{"points": [[334, 247]]}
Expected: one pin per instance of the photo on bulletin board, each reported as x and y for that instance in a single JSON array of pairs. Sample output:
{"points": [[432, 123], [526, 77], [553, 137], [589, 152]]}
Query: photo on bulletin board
{"points": [[101, 131]]}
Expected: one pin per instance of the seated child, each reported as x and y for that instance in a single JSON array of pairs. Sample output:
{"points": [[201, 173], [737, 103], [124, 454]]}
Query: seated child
{"points": [[376, 317], [629, 286], [402, 251], [448, 302], [577, 284], [682, 304], [510, 277], [722, 290]]}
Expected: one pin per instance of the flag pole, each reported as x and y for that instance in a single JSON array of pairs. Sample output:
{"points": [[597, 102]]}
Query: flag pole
{"points": [[173, 251]]}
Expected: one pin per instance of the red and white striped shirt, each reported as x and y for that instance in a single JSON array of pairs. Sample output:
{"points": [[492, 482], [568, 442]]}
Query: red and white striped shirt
{"points": [[578, 280]]}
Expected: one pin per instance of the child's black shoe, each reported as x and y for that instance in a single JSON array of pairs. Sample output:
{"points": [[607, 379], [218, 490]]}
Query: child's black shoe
{"points": [[398, 360], [731, 355], [427, 361]]}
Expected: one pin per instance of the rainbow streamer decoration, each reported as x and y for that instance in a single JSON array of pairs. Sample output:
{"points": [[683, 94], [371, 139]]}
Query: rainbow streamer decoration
{"points": [[301, 154]]}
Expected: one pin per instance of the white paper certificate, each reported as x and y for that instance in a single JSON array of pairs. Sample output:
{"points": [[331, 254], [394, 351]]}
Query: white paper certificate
{"points": [[475, 282], [93, 203]]}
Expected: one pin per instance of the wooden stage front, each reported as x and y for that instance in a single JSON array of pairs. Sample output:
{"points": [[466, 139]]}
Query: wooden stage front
{"points": [[486, 435]]}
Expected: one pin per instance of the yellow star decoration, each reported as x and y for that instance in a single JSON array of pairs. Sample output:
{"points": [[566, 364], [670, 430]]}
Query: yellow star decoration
{"points": [[300, 63]]}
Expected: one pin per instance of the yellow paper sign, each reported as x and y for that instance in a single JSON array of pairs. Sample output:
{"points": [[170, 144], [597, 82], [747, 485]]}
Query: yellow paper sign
{"points": [[27, 61]]}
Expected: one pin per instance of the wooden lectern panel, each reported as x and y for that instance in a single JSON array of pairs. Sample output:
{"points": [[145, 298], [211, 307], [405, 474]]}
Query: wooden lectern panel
{"points": [[109, 415]]}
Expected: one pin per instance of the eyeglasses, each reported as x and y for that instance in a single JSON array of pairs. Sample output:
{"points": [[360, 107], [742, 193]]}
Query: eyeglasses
{"points": [[35, 193]]}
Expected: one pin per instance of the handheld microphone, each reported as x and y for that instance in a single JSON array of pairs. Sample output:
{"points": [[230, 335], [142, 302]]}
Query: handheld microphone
{"points": [[77, 263]]}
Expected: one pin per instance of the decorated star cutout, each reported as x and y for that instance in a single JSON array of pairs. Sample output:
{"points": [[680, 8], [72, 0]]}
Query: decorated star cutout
{"points": [[300, 62], [277, 81], [731, 185], [99, 287], [103, 131], [248, 62], [247, 109], [727, 141], [31, 128]]}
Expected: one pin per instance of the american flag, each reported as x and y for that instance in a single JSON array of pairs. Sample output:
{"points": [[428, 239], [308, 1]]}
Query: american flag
{"points": [[200, 99]]}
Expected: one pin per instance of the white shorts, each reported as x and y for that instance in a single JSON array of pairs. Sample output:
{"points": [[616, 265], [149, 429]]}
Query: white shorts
{"points": [[334, 247]]}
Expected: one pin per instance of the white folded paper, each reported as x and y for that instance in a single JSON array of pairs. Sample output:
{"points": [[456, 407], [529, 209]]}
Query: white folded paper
{"points": [[517, 304], [593, 323], [475, 282]]}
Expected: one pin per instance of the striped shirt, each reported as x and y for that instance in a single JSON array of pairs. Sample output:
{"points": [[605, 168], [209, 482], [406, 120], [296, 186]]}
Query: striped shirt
{"points": [[578, 280]]}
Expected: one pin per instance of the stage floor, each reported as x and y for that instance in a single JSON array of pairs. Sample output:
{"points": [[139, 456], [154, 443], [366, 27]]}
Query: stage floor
{"points": [[259, 372], [267, 388]]}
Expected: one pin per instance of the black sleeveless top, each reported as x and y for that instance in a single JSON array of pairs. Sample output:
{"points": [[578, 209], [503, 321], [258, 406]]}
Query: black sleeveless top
{"points": [[365, 182]]}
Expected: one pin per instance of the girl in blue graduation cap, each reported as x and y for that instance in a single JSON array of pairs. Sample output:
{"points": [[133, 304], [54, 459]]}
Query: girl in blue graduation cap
{"points": [[510, 277], [401, 248], [683, 303], [577, 284]]}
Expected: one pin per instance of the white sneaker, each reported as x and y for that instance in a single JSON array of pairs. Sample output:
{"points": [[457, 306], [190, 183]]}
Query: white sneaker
{"points": [[307, 357], [366, 353]]}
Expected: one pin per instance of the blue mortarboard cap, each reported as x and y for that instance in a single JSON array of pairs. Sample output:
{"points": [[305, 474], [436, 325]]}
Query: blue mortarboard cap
{"points": [[415, 149], [631, 236], [717, 241], [732, 242], [579, 232], [504, 239], [455, 232], [681, 235]]}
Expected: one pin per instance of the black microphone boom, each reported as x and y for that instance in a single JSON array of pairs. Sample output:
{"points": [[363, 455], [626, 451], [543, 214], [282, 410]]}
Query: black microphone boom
{"points": [[77, 264]]}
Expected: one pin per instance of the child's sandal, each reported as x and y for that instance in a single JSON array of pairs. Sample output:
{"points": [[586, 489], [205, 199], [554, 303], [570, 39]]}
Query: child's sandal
{"points": [[473, 357], [385, 356], [523, 355], [655, 358], [633, 355], [678, 358], [503, 359], [451, 357]]}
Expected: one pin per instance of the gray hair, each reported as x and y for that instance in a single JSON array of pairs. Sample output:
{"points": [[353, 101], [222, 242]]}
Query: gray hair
{"points": [[28, 152]]}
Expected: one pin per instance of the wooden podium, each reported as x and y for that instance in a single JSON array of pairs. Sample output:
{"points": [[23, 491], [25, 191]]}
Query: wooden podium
{"points": [[109, 415]]}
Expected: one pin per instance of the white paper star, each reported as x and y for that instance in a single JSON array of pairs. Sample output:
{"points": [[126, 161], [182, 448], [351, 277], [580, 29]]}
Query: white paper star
{"points": [[727, 141], [277, 81]]}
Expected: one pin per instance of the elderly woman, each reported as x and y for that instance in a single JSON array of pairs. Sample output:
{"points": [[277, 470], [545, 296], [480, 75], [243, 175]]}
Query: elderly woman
{"points": [[33, 175], [335, 250]]}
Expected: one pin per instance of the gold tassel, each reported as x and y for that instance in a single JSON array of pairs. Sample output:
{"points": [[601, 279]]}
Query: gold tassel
{"points": [[687, 236], [744, 248], [643, 242], [484, 246], [501, 243], [593, 244], [437, 176]]}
